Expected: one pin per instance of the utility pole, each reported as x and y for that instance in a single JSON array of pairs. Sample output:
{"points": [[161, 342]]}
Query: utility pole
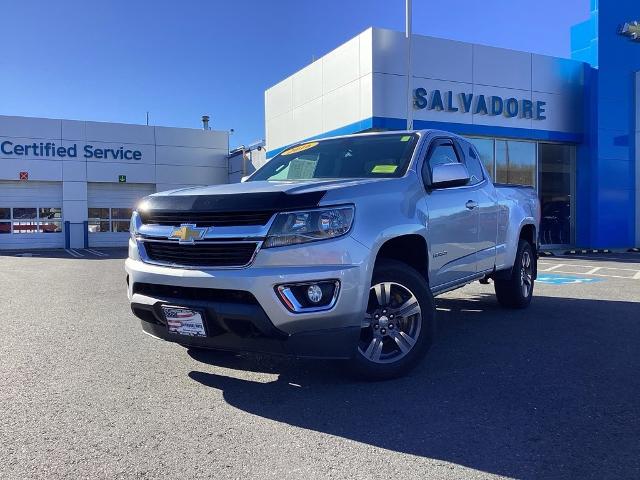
{"points": [[409, 65]]}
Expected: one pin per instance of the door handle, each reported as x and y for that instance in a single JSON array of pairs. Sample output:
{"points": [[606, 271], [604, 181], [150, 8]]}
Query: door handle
{"points": [[471, 204]]}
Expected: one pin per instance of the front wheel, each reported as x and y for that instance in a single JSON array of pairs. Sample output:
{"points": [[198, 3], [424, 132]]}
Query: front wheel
{"points": [[516, 291], [398, 327]]}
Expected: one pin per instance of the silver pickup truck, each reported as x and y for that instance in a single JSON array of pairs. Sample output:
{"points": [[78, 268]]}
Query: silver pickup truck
{"points": [[333, 249]]}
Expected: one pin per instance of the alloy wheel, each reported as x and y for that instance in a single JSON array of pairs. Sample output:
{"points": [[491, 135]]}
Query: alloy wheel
{"points": [[526, 274], [392, 323]]}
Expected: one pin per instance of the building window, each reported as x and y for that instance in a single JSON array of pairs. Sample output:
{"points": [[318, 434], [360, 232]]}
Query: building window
{"points": [[516, 162], [99, 220], [556, 186], [50, 220], [25, 220], [5, 220], [121, 219], [109, 219], [30, 220]]}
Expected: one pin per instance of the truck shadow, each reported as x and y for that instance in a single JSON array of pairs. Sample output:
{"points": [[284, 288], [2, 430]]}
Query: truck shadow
{"points": [[548, 392]]}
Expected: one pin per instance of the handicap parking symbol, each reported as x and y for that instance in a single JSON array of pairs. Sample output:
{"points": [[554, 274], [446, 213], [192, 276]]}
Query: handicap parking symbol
{"points": [[555, 279]]}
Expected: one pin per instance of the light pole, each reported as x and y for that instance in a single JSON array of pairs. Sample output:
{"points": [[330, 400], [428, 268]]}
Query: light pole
{"points": [[407, 33]]}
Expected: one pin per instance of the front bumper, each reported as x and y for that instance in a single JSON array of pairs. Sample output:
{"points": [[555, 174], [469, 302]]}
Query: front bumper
{"points": [[242, 309]]}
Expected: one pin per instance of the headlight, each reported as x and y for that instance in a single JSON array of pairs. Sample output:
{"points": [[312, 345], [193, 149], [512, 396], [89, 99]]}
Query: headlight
{"points": [[134, 224], [290, 228]]}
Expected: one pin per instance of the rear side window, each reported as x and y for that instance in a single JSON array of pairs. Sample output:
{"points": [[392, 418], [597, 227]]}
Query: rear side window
{"points": [[473, 165]]}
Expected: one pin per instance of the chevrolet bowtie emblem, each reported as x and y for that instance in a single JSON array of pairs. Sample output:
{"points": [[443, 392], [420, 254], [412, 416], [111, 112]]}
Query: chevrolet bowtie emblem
{"points": [[631, 30], [187, 233]]}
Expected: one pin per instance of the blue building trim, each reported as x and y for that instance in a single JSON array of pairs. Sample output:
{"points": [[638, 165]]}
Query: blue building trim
{"points": [[388, 123], [480, 130], [606, 190], [587, 195]]}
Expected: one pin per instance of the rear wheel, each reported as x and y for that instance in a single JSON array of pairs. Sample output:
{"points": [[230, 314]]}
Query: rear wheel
{"points": [[398, 326], [516, 291]]}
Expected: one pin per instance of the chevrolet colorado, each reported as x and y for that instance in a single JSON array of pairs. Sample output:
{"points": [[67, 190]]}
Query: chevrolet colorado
{"points": [[335, 248]]}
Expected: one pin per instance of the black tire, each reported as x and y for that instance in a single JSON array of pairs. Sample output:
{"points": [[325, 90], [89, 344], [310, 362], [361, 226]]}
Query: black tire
{"points": [[408, 329], [516, 291]]}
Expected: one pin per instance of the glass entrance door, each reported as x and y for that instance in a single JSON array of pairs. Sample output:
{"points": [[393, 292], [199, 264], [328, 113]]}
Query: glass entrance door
{"points": [[556, 190]]}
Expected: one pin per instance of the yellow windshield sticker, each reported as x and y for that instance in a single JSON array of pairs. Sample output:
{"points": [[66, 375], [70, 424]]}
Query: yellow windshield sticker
{"points": [[406, 138], [299, 148], [384, 169]]}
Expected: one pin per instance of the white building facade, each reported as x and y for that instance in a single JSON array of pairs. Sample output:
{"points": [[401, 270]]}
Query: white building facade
{"points": [[362, 85], [73, 184]]}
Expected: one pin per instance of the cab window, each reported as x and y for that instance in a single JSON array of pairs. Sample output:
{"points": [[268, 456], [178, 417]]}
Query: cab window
{"points": [[441, 152], [475, 170]]}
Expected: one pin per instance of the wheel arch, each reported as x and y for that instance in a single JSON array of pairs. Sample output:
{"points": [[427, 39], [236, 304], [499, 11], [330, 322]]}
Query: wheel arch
{"points": [[527, 232], [411, 249]]}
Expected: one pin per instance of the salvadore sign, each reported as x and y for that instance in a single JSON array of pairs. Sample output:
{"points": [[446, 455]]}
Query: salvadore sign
{"points": [[50, 150], [449, 101]]}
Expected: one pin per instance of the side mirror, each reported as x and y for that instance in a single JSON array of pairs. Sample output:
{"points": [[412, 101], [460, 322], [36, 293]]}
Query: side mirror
{"points": [[244, 179], [449, 175]]}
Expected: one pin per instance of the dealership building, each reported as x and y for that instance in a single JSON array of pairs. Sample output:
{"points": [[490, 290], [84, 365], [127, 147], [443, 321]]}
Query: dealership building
{"points": [[68, 183], [568, 127]]}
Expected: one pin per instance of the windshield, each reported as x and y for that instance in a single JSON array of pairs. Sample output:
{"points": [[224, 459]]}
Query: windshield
{"points": [[365, 156]]}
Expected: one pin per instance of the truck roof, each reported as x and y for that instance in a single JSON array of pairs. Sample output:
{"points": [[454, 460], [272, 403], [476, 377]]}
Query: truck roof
{"points": [[385, 132]]}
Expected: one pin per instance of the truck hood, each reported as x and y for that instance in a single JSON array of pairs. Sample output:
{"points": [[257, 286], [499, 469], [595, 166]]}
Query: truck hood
{"points": [[250, 196]]}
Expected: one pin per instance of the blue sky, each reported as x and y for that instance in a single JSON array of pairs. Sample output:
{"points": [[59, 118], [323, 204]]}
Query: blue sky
{"points": [[115, 60]]}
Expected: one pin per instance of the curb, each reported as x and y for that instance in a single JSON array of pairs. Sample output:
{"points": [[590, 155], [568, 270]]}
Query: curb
{"points": [[585, 251]]}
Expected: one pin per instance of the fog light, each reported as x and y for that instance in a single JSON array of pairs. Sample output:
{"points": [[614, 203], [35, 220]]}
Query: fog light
{"points": [[314, 292], [309, 296]]}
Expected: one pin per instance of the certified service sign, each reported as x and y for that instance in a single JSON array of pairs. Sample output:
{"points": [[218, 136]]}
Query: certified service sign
{"points": [[50, 150]]}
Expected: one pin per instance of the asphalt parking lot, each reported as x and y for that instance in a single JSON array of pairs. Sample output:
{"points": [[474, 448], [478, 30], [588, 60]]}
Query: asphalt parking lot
{"points": [[548, 392]]}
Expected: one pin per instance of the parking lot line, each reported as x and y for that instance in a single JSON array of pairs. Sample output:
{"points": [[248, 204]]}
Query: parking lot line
{"points": [[96, 252], [550, 268], [606, 272], [589, 266]]}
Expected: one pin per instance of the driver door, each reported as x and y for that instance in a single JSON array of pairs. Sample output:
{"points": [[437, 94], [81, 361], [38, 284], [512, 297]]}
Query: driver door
{"points": [[452, 220]]}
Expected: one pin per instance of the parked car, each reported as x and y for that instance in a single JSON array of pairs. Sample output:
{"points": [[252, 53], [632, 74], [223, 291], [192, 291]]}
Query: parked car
{"points": [[335, 248]]}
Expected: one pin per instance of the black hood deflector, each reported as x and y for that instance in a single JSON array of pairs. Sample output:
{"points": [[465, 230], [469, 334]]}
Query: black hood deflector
{"points": [[239, 202]]}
